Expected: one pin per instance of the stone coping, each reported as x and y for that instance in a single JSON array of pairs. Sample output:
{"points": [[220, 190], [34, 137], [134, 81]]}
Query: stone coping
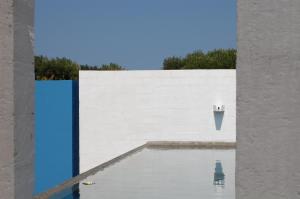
{"points": [[190, 145]]}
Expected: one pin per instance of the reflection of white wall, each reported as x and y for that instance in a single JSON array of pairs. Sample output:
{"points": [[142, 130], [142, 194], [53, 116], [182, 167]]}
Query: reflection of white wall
{"points": [[122, 110], [165, 174]]}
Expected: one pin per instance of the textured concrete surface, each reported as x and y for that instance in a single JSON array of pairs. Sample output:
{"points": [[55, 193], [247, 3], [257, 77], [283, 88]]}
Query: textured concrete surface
{"points": [[268, 93], [16, 99], [122, 110]]}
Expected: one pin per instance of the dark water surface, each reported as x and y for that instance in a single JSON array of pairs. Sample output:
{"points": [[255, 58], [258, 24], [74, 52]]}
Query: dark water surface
{"points": [[163, 174]]}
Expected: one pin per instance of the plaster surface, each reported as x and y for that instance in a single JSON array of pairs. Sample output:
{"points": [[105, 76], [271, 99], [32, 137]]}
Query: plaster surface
{"points": [[268, 99], [16, 99], [56, 125], [121, 110]]}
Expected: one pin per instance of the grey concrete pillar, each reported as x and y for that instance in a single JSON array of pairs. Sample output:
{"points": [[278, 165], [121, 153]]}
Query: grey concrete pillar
{"points": [[16, 99], [268, 99]]}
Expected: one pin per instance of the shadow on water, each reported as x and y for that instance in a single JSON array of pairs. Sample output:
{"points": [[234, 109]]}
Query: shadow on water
{"points": [[218, 120], [68, 193]]}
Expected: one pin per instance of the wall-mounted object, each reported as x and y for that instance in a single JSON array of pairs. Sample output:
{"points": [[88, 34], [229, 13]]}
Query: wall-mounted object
{"points": [[219, 108]]}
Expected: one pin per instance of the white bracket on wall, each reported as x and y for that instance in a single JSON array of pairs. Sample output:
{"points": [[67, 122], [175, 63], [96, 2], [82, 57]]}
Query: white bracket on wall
{"points": [[219, 108]]}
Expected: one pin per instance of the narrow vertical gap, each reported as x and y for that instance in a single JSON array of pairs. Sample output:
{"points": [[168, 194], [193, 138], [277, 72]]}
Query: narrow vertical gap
{"points": [[75, 124]]}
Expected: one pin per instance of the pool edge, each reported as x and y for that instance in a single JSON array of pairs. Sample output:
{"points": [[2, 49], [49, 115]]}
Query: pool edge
{"points": [[168, 145], [190, 145]]}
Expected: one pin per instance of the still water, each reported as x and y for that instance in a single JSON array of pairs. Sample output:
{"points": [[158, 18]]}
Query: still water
{"points": [[162, 174]]}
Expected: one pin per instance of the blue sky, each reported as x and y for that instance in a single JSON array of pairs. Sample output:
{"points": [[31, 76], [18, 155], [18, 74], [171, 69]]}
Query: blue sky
{"points": [[137, 34]]}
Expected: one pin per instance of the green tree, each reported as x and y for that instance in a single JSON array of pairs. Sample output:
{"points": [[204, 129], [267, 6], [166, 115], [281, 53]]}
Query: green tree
{"points": [[64, 69], [223, 58], [55, 69], [173, 63], [111, 66], [198, 60], [87, 67], [215, 59]]}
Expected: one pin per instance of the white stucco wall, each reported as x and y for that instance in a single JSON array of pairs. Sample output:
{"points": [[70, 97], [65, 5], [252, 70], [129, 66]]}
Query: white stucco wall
{"points": [[121, 110]]}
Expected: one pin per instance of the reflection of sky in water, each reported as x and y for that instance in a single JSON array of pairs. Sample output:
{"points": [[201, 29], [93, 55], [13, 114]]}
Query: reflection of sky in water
{"points": [[163, 174]]}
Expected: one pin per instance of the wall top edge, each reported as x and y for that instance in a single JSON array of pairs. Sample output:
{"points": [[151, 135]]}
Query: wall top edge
{"points": [[159, 71]]}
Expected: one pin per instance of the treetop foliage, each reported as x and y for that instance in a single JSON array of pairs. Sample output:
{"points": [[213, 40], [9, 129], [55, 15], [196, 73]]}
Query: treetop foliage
{"points": [[64, 69], [110, 66], [215, 59], [55, 69]]}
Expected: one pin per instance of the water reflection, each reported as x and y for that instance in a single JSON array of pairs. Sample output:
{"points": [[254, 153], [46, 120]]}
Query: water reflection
{"points": [[219, 176], [162, 174], [68, 193]]}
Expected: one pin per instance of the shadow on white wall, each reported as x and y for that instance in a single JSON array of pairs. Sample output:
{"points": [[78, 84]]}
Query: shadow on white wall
{"points": [[218, 120]]}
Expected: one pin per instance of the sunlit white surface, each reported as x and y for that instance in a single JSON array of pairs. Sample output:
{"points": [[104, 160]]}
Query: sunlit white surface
{"points": [[122, 110]]}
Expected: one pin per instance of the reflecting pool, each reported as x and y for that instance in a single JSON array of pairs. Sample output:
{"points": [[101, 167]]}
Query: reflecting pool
{"points": [[162, 174]]}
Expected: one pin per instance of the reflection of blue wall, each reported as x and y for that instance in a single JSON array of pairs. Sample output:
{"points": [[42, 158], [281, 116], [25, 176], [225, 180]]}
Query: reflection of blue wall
{"points": [[56, 130]]}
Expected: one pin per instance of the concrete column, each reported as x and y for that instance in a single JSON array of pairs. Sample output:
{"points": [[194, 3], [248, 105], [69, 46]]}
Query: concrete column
{"points": [[16, 99], [268, 99]]}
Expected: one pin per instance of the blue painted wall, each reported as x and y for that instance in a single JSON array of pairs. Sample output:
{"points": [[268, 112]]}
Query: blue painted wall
{"points": [[56, 131]]}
